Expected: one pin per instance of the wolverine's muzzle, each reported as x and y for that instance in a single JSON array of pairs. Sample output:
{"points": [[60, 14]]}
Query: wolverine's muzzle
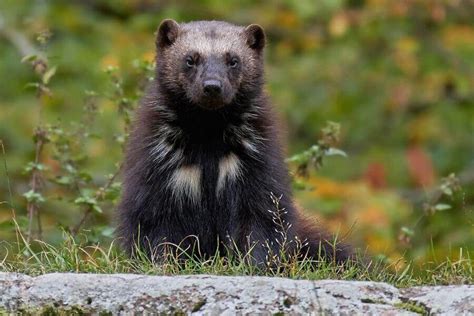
{"points": [[212, 88], [215, 94]]}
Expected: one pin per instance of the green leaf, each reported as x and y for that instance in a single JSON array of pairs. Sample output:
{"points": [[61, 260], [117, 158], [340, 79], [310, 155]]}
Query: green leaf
{"points": [[299, 185], [442, 207], [97, 209], [408, 231], [335, 152], [90, 93], [85, 200], [107, 231], [64, 180], [70, 169], [331, 128], [34, 166], [446, 190], [31, 85], [34, 197], [120, 139], [85, 176], [304, 156], [110, 70], [29, 58], [88, 201], [49, 74], [113, 192]]}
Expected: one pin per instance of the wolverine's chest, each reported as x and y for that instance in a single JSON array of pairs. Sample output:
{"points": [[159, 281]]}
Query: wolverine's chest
{"points": [[204, 163], [204, 178]]}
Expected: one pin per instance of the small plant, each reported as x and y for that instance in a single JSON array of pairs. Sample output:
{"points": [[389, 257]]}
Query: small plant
{"points": [[78, 254], [314, 156], [35, 169], [66, 144], [289, 251], [434, 204]]}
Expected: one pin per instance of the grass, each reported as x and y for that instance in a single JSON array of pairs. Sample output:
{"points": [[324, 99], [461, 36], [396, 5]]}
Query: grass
{"points": [[72, 255]]}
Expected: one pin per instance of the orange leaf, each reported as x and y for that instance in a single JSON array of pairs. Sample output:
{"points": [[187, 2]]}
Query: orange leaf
{"points": [[420, 166], [375, 175]]}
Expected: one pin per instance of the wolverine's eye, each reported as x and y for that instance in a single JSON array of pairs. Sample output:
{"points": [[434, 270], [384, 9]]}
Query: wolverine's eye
{"points": [[190, 62], [233, 63]]}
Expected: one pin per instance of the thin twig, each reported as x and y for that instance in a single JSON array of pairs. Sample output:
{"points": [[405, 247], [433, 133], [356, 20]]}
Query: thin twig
{"points": [[7, 174], [78, 226], [35, 184]]}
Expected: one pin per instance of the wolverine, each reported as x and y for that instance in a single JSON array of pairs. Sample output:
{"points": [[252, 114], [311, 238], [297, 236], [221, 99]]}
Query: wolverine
{"points": [[204, 162]]}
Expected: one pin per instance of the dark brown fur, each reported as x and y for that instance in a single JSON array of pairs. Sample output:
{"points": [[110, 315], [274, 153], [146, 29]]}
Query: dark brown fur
{"points": [[204, 156]]}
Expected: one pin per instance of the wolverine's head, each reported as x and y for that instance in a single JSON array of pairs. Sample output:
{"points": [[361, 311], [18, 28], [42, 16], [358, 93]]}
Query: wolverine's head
{"points": [[210, 63]]}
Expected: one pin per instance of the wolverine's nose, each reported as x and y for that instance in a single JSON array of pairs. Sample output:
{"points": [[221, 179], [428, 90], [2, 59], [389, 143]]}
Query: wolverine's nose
{"points": [[212, 87]]}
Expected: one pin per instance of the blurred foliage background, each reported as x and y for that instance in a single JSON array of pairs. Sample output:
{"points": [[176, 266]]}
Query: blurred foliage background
{"points": [[397, 75]]}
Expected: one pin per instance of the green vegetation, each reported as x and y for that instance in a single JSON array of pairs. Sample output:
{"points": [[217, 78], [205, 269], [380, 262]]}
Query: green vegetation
{"points": [[78, 255], [411, 307], [398, 76]]}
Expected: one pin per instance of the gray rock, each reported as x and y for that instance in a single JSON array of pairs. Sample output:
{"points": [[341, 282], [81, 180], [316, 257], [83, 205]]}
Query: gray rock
{"points": [[222, 295], [447, 300]]}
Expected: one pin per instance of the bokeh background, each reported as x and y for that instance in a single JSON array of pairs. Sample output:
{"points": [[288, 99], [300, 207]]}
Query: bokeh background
{"points": [[397, 75]]}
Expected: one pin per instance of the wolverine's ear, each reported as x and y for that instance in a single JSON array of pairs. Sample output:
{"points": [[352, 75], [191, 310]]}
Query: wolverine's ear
{"points": [[255, 36], [167, 33]]}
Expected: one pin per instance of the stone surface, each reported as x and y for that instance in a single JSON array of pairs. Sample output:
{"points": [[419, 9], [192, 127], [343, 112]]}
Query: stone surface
{"points": [[220, 295], [442, 299]]}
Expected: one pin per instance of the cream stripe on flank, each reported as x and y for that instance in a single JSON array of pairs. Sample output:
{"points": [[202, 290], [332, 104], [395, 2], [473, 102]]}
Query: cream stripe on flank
{"points": [[229, 170], [186, 181], [249, 145]]}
